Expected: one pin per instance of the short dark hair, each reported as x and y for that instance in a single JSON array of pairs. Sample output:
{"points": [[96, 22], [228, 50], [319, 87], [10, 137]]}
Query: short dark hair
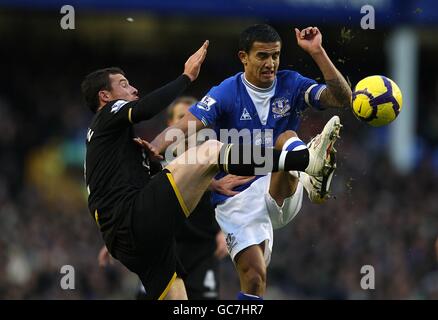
{"points": [[96, 81], [259, 32], [183, 99]]}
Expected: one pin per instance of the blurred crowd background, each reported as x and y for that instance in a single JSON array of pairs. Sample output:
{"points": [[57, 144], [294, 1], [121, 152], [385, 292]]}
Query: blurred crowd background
{"points": [[378, 215]]}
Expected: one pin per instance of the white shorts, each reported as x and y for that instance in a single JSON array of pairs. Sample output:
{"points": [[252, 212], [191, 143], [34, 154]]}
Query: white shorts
{"points": [[250, 217]]}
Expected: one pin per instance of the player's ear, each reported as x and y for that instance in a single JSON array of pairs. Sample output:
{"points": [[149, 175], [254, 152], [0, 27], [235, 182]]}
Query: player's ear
{"points": [[243, 56], [105, 96]]}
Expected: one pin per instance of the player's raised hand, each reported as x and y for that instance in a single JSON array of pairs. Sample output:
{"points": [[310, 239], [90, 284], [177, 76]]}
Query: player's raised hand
{"points": [[193, 64], [226, 185], [309, 39], [104, 258], [152, 151]]}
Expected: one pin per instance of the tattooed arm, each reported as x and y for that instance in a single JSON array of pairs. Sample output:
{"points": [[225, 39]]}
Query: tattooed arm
{"points": [[338, 92]]}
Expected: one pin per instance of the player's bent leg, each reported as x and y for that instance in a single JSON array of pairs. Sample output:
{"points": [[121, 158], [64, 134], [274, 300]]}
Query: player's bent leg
{"points": [[282, 215], [246, 224], [191, 173], [284, 197], [283, 184], [251, 267], [177, 291]]}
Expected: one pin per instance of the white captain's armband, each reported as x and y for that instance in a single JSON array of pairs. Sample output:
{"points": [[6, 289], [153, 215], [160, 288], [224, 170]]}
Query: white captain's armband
{"points": [[310, 97]]}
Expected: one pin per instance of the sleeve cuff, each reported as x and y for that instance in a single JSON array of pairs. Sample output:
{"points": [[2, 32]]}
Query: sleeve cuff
{"points": [[200, 118], [186, 79]]}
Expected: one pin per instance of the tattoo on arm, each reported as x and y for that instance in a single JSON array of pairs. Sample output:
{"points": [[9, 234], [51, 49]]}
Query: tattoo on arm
{"points": [[337, 94]]}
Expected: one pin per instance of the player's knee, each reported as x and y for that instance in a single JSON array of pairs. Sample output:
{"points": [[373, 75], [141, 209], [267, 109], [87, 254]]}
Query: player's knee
{"points": [[177, 291], [213, 144], [209, 151], [255, 280], [283, 137]]}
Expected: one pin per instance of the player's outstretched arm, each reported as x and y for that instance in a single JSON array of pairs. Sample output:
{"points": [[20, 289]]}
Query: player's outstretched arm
{"points": [[160, 143], [338, 93], [158, 100]]}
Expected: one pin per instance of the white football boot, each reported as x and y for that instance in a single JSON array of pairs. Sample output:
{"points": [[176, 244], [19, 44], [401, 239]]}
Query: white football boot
{"points": [[318, 187], [320, 148]]}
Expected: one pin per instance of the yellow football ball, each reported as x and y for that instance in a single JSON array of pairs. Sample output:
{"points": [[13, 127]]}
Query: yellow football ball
{"points": [[377, 100]]}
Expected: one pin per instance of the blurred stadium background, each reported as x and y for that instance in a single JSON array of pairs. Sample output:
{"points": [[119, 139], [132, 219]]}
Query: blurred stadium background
{"points": [[384, 211]]}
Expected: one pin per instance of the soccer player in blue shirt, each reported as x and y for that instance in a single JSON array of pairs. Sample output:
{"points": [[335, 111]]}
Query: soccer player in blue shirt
{"points": [[268, 103]]}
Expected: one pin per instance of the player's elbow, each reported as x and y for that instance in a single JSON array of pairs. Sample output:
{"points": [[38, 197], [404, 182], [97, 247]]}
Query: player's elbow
{"points": [[345, 102], [341, 98]]}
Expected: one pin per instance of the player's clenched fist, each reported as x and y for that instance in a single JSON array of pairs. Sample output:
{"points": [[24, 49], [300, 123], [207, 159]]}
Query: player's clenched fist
{"points": [[309, 39]]}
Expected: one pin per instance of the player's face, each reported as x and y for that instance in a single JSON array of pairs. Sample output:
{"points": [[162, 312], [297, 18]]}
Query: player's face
{"points": [[179, 111], [121, 89], [261, 63]]}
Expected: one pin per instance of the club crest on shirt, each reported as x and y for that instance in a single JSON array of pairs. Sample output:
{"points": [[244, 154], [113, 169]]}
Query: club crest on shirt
{"points": [[280, 107]]}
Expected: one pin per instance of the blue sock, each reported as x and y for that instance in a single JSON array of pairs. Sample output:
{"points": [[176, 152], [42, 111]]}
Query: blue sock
{"points": [[246, 296]]}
